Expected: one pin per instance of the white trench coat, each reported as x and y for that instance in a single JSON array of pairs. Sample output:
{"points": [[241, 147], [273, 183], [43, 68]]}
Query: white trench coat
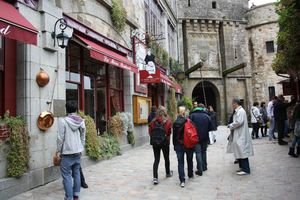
{"points": [[241, 143]]}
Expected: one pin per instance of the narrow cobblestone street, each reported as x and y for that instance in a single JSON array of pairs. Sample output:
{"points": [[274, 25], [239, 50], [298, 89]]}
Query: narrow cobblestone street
{"points": [[275, 175]]}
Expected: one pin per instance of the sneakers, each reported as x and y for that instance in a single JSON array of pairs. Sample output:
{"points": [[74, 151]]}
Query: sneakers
{"points": [[84, 185], [75, 198], [239, 170], [242, 173], [155, 181], [182, 184], [169, 175], [198, 173]]}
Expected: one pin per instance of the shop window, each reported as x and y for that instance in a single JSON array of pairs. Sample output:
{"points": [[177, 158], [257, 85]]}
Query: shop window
{"points": [[116, 90], [96, 86], [270, 47], [214, 4]]}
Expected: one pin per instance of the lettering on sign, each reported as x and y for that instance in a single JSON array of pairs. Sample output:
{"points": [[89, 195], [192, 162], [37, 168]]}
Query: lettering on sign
{"points": [[5, 30]]}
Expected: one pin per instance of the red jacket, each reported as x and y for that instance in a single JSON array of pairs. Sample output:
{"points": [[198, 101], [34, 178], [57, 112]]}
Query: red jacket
{"points": [[168, 127]]}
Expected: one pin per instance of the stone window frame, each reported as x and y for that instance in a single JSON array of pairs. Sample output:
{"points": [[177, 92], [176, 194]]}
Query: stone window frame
{"points": [[270, 47], [214, 5]]}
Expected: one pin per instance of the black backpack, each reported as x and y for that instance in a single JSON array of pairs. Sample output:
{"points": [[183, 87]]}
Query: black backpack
{"points": [[158, 135]]}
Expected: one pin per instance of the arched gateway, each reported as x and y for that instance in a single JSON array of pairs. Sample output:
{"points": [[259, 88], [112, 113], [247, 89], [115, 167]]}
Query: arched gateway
{"points": [[211, 93]]}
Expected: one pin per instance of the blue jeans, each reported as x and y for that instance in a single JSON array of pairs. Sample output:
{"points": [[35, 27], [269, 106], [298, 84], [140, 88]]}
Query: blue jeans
{"points": [[180, 151], [296, 140], [244, 165], [272, 129], [69, 166], [200, 150]]}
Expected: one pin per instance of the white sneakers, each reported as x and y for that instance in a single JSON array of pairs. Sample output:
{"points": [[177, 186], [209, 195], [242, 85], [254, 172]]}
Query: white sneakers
{"points": [[182, 184], [155, 181], [242, 173]]}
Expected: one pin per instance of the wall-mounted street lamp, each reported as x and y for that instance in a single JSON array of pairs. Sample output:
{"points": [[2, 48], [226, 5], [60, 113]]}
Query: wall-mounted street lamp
{"points": [[62, 38]]}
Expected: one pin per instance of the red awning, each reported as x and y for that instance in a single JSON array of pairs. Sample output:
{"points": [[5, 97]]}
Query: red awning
{"points": [[158, 77], [177, 88], [105, 55], [14, 26]]}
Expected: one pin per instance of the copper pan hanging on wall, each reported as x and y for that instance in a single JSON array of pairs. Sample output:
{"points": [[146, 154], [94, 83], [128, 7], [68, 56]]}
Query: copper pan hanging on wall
{"points": [[42, 78], [45, 120]]}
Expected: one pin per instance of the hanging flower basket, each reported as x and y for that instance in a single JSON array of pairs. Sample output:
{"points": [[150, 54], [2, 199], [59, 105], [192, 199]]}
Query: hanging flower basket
{"points": [[4, 131]]}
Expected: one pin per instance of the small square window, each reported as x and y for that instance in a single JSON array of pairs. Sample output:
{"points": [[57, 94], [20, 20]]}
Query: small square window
{"points": [[270, 47], [214, 5]]}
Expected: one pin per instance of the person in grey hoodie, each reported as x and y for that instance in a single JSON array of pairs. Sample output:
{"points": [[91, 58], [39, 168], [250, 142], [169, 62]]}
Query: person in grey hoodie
{"points": [[70, 144]]}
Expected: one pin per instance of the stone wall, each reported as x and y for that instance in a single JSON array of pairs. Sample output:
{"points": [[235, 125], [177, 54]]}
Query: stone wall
{"points": [[225, 9], [263, 27]]}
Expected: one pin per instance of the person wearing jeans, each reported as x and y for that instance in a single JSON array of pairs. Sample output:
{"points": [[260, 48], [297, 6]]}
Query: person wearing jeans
{"points": [[255, 117], [178, 134], [161, 118], [70, 144], [203, 124], [270, 111]]}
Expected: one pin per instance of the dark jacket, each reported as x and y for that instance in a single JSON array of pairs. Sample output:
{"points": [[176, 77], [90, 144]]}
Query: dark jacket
{"points": [[280, 113], [214, 121], [203, 124], [178, 130], [151, 117]]}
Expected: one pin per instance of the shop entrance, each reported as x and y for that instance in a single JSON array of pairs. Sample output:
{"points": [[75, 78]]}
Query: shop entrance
{"points": [[156, 93], [210, 91]]}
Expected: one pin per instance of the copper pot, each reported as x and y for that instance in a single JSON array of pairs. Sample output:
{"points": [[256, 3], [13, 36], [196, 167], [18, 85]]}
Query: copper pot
{"points": [[42, 78], [45, 120]]}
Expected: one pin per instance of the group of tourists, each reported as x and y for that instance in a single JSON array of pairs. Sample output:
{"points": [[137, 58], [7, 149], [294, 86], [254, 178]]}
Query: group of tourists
{"points": [[192, 133], [202, 121], [280, 115]]}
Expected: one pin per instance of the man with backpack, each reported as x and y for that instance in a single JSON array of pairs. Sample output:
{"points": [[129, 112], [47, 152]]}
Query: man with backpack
{"points": [[160, 132], [203, 125], [179, 134]]}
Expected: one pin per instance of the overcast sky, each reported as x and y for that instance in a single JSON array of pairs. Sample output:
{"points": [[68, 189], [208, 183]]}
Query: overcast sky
{"points": [[259, 2]]}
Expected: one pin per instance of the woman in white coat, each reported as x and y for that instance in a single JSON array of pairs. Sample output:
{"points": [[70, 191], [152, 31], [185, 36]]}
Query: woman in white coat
{"points": [[241, 144]]}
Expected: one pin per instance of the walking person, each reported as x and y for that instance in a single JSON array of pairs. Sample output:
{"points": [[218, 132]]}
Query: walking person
{"points": [[152, 114], [241, 142], [280, 116], [70, 144], [214, 121], [296, 139], [178, 134], [270, 111], [203, 124], [264, 119], [255, 120], [160, 132]]}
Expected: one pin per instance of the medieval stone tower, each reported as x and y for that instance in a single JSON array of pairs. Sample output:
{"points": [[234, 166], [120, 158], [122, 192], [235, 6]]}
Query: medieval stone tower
{"points": [[215, 32]]}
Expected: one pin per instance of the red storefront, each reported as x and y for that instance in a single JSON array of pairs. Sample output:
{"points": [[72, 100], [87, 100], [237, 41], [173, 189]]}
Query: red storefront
{"points": [[13, 27], [95, 73]]}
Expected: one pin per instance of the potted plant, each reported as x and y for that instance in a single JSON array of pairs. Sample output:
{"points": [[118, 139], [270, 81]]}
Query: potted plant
{"points": [[4, 130]]}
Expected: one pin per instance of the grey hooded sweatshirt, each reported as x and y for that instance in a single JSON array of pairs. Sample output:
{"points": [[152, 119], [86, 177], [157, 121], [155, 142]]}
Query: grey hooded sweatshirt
{"points": [[71, 135]]}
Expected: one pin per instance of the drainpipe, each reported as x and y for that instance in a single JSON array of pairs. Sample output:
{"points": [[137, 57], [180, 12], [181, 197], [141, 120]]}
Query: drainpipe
{"points": [[223, 64]]}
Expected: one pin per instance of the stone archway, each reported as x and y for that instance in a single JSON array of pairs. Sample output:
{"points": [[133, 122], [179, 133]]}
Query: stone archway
{"points": [[211, 93]]}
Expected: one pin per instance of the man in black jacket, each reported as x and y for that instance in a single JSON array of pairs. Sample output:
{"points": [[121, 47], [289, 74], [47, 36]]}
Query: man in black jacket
{"points": [[201, 119], [280, 115]]}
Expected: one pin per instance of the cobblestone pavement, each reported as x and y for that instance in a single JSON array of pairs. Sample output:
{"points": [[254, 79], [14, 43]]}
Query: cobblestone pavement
{"points": [[274, 176]]}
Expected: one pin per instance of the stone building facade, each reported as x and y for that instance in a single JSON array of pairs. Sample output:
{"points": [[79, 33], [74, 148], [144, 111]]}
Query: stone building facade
{"points": [[224, 34], [262, 29], [102, 84], [214, 32]]}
